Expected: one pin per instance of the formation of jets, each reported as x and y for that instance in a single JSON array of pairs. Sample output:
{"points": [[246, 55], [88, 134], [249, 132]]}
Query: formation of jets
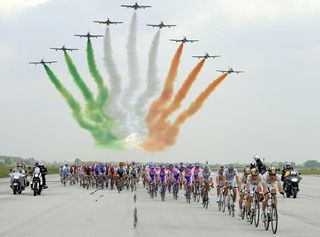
{"points": [[108, 22], [88, 36], [42, 62], [161, 25], [136, 6], [64, 49], [230, 70], [184, 40], [207, 56]]}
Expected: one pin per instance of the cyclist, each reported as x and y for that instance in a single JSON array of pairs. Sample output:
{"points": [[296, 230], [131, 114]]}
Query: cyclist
{"points": [[270, 181], [232, 181], [254, 185], [187, 178], [162, 177], [220, 181], [243, 185], [206, 178]]}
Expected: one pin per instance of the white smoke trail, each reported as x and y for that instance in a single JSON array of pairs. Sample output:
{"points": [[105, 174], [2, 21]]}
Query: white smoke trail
{"points": [[133, 70], [152, 79], [134, 78], [112, 107], [152, 86]]}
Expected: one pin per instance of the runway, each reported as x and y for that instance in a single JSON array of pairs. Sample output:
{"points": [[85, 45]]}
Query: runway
{"points": [[74, 211]]}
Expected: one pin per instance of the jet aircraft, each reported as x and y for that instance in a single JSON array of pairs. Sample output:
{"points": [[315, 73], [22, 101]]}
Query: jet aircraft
{"points": [[108, 22], [88, 36], [64, 49], [230, 70], [161, 25], [184, 40], [42, 62], [136, 6], [207, 56]]}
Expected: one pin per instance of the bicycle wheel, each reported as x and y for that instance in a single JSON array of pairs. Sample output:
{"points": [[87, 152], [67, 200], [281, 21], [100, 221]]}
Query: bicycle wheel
{"points": [[252, 214], [232, 209], [267, 222], [228, 204], [223, 203], [243, 212], [274, 219], [257, 213]]}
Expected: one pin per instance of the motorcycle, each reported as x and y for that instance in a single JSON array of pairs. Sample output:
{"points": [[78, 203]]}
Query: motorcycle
{"points": [[291, 185], [15, 184], [36, 184]]}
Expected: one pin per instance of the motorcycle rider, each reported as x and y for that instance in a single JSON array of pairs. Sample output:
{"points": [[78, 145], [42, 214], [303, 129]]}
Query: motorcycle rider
{"points": [[259, 165], [23, 177], [37, 170], [285, 173], [43, 171]]}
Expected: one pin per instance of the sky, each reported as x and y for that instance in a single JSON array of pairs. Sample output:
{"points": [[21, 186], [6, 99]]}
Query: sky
{"points": [[272, 109]]}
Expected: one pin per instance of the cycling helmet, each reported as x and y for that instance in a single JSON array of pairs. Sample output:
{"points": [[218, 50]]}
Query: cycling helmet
{"points": [[36, 164], [272, 170], [230, 167], [190, 166], [246, 170], [197, 164], [170, 166], [254, 171]]}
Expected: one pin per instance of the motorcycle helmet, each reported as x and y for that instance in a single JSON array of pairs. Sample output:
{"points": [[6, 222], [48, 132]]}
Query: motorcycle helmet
{"points": [[256, 157]]}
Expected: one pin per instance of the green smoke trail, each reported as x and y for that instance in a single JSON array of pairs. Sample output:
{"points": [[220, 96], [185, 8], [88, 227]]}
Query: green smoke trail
{"points": [[102, 90], [93, 111], [73, 104], [102, 132]]}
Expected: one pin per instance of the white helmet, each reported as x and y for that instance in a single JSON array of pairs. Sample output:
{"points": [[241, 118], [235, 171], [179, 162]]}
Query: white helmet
{"points": [[36, 170], [256, 157]]}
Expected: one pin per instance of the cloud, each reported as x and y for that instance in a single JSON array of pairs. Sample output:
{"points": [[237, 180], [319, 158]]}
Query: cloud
{"points": [[6, 51], [10, 8], [250, 12]]}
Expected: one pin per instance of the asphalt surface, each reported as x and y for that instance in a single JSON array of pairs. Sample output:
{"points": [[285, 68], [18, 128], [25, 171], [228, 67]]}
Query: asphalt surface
{"points": [[74, 211]]}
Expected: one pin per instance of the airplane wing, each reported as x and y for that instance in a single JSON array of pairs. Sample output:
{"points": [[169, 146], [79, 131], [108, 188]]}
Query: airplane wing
{"points": [[35, 63], [153, 25], [238, 72], [169, 25], [49, 62], [96, 36], [215, 56], [176, 40], [56, 49], [191, 41], [72, 49], [223, 71], [144, 6], [80, 36], [127, 6], [197, 56], [116, 22], [100, 22]]}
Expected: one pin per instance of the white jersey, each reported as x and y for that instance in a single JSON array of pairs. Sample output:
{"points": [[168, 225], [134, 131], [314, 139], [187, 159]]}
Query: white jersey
{"points": [[230, 176]]}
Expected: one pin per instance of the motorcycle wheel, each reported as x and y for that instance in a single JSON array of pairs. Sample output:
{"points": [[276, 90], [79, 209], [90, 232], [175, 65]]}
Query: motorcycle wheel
{"points": [[295, 192], [14, 191]]}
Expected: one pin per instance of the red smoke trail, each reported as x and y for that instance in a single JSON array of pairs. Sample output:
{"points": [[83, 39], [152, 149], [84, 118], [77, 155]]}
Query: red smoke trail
{"points": [[163, 134], [183, 91], [157, 106]]}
